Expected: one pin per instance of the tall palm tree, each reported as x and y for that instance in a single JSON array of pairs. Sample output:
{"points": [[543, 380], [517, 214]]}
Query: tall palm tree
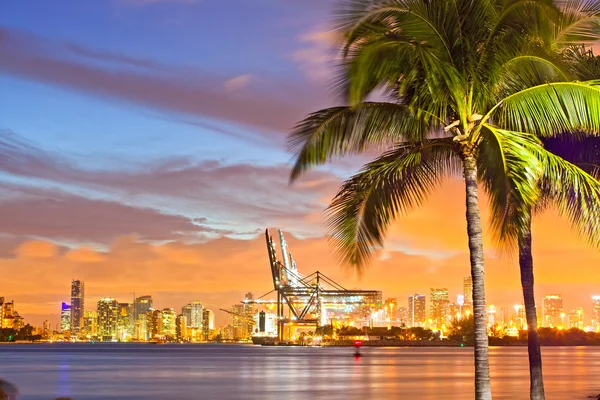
{"points": [[579, 63], [449, 69]]}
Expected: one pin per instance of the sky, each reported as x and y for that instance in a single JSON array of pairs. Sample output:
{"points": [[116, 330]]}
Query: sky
{"points": [[142, 149]]}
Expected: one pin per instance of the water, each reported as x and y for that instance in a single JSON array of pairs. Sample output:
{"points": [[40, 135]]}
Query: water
{"points": [[152, 372]]}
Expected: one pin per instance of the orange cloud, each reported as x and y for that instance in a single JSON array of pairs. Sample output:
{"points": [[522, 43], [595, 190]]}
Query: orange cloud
{"points": [[36, 249]]}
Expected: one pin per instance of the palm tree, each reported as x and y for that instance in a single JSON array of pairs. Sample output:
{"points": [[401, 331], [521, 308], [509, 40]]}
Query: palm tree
{"points": [[580, 64], [453, 72]]}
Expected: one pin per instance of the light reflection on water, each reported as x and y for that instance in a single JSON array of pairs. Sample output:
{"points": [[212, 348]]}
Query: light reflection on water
{"points": [[139, 371]]}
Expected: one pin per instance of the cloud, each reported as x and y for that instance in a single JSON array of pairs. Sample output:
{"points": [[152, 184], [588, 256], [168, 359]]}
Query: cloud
{"points": [[238, 82], [161, 200], [318, 54], [272, 106]]}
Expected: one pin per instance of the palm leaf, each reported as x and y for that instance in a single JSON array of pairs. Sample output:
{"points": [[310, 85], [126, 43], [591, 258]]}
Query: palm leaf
{"points": [[574, 192], [550, 109], [339, 131], [509, 171], [389, 186]]}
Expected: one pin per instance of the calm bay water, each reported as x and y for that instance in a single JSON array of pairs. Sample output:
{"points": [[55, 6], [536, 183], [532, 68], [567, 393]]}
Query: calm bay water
{"points": [[141, 371]]}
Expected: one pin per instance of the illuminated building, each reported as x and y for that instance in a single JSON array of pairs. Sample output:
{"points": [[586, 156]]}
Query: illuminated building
{"points": [[242, 328], [142, 305], [77, 306], [46, 330], [168, 323], [520, 320], [553, 311], [108, 311], [596, 312], [65, 318], [576, 318], [181, 325], [1, 312], [193, 314], [124, 321], [90, 324], [416, 310], [153, 323], [208, 323], [403, 316], [468, 294], [439, 306], [391, 308]]}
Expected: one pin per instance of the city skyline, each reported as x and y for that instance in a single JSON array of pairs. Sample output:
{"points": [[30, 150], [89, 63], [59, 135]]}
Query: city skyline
{"points": [[135, 163], [439, 306]]}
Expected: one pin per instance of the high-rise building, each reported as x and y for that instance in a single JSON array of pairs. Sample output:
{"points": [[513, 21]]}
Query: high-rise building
{"points": [[553, 311], [241, 327], [576, 318], [468, 294], [142, 305], [208, 324], [439, 307], [416, 310], [65, 318], [125, 321], [391, 308], [520, 318], [1, 311], [46, 330], [181, 327], [193, 314], [108, 311], [90, 324], [77, 306], [596, 313], [169, 326]]}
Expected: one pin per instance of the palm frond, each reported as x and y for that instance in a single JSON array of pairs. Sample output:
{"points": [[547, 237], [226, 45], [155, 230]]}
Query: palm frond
{"points": [[509, 171], [550, 109], [574, 192], [339, 131], [389, 186], [579, 23]]}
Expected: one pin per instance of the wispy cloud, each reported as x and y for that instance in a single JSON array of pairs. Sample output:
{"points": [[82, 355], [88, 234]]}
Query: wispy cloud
{"points": [[272, 106]]}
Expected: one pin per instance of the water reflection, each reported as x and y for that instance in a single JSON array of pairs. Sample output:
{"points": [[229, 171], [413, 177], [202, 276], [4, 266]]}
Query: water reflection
{"points": [[248, 372]]}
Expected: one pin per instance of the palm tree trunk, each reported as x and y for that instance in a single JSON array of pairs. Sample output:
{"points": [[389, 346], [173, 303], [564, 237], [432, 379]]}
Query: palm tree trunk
{"points": [[536, 386], [483, 390]]}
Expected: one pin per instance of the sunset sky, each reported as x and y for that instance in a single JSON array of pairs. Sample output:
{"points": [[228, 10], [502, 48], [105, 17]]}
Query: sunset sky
{"points": [[142, 148]]}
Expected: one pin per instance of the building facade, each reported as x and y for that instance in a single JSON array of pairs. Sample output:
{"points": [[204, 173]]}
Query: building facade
{"points": [[439, 307], [77, 306], [108, 311], [553, 315], [65, 318], [417, 314]]}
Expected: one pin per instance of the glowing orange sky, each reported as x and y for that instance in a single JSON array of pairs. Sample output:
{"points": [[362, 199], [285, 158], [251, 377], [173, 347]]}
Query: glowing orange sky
{"points": [[426, 249]]}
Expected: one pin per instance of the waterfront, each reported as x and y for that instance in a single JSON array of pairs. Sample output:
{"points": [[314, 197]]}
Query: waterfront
{"points": [[142, 371]]}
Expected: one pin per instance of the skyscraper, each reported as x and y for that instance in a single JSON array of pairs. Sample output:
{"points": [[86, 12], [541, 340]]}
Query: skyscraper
{"points": [[416, 310], [142, 305], [125, 321], [107, 319], [169, 326], [439, 306], [77, 306], [208, 322], [468, 294], [193, 314], [596, 312], [576, 318], [553, 311], [65, 318], [90, 323]]}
